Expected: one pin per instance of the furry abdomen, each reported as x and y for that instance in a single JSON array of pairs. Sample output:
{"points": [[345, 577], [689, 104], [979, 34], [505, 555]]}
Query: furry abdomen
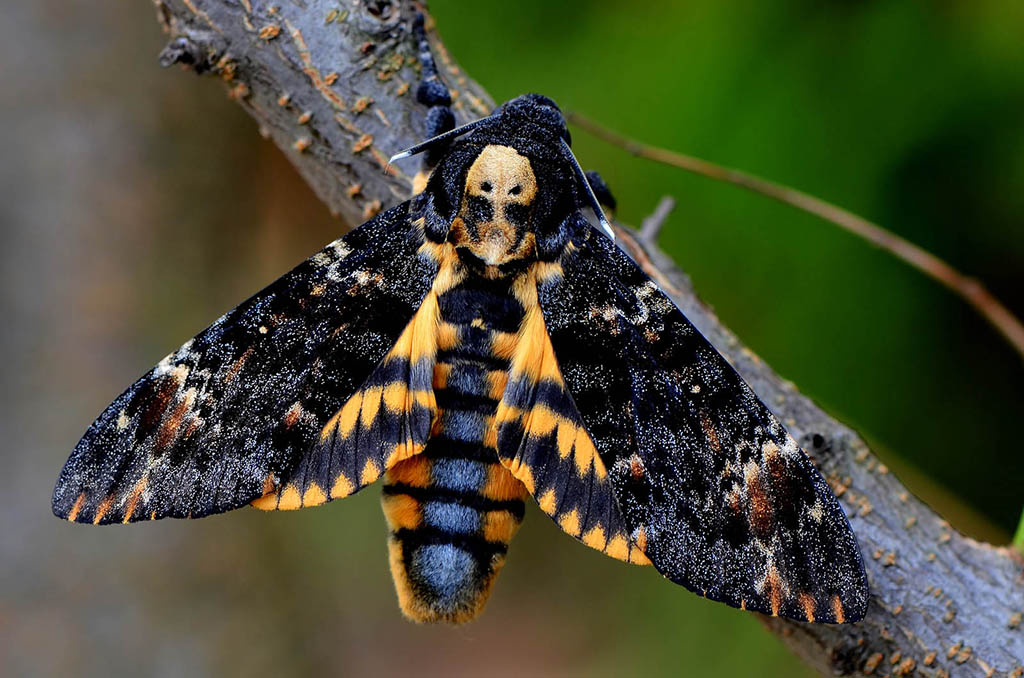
{"points": [[453, 509]]}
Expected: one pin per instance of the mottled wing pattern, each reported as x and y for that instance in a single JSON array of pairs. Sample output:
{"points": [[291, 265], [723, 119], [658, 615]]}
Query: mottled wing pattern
{"points": [[543, 442], [716, 492], [387, 420], [222, 420]]}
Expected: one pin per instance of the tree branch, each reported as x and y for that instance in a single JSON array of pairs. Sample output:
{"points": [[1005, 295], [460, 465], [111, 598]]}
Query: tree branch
{"points": [[333, 84]]}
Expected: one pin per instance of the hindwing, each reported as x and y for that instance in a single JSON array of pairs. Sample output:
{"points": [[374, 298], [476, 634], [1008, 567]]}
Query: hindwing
{"points": [[542, 440], [388, 419]]}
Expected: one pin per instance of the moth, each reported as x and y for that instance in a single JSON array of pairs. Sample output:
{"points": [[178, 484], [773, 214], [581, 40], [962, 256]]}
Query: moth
{"points": [[474, 346]]}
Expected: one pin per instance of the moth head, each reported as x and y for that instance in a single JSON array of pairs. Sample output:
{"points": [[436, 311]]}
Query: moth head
{"points": [[507, 183]]}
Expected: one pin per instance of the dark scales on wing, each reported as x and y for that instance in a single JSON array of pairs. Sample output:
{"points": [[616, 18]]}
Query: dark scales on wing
{"points": [[730, 507], [222, 420], [477, 344]]}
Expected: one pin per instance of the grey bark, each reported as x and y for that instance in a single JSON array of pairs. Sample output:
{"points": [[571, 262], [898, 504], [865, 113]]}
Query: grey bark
{"points": [[333, 83]]}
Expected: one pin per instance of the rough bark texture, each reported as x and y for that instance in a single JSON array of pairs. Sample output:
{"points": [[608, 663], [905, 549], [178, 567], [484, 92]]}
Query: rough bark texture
{"points": [[333, 84]]}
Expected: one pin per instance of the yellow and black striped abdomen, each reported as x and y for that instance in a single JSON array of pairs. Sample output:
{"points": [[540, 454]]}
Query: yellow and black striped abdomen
{"points": [[454, 508]]}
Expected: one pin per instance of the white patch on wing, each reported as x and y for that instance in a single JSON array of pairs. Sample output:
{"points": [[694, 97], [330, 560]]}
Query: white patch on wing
{"points": [[791, 449], [341, 250], [816, 512]]}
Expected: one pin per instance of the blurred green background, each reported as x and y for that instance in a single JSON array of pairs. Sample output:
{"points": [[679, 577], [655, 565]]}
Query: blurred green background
{"points": [[138, 204]]}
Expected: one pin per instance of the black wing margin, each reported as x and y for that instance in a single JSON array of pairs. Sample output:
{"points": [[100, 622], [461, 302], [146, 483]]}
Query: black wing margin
{"points": [[716, 493], [221, 421]]}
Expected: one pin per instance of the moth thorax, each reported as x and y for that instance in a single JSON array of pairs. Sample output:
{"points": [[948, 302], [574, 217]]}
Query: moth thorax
{"points": [[493, 220]]}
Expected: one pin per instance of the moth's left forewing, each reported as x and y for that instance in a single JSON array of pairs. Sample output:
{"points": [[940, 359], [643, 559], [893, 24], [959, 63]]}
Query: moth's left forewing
{"points": [[228, 416], [721, 497]]}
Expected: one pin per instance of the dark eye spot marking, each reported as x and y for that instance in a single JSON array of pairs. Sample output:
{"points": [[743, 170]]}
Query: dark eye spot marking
{"points": [[486, 187], [517, 214], [480, 210], [515, 190]]}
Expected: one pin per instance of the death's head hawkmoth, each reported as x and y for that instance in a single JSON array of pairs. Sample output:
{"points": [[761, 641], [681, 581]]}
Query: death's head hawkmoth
{"points": [[477, 344]]}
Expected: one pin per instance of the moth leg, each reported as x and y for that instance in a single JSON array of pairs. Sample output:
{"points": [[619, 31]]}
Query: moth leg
{"points": [[601, 190], [434, 93]]}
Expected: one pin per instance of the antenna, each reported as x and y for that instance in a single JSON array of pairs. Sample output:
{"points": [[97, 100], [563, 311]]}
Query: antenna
{"points": [[590, 192], [425, 145]]}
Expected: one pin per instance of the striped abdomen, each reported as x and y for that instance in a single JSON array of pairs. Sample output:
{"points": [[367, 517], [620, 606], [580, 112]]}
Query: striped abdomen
{"points": [[453, 509]]}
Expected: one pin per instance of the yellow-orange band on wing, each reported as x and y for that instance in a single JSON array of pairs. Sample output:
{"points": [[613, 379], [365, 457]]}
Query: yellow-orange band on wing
{"points": [[543, 443], [386, 421]]}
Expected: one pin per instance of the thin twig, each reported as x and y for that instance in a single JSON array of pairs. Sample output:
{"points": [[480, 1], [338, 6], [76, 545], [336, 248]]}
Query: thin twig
{"points": [[972, 291], [651, 225]]}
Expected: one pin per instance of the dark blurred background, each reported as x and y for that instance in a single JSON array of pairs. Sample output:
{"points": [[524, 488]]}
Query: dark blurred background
{"points": [[138, 204]]}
